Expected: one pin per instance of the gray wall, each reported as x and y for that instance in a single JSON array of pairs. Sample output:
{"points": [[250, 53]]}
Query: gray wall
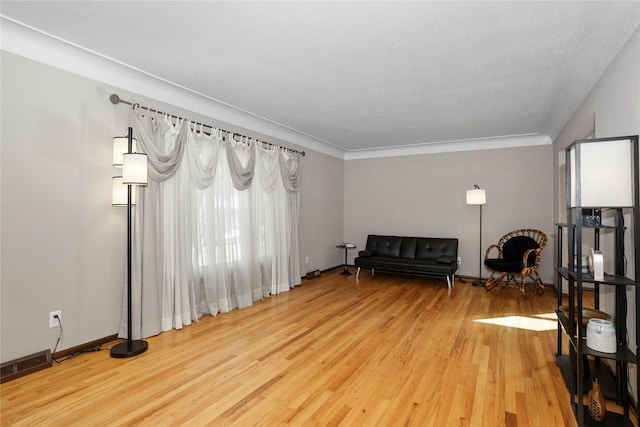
{"points": [[424, 195], [63, 244], [321, 212]]}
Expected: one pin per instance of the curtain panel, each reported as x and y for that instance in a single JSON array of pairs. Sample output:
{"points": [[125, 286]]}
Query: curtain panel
{"points": [[216, 227]]}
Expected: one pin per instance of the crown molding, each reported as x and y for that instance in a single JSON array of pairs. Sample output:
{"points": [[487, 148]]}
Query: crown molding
{"points": [[492, 143], [39, 46], [29, 42]]}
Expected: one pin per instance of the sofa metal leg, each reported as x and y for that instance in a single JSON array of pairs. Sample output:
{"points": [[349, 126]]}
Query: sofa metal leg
{"points": [[358, 273], [448, 282], [373, 272]]}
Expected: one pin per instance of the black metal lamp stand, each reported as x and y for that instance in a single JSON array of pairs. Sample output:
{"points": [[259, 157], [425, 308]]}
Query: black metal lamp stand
{"points": [[479, 282], [478, 196], [130, 347]]}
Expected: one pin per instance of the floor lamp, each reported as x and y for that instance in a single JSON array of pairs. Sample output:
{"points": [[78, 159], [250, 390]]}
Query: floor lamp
{"points": [[134, 172], [478, 197]]}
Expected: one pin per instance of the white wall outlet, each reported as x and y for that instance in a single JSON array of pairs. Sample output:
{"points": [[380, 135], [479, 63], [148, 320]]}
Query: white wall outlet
{"points": [[306, 259], [53, 322], [459, 260]]}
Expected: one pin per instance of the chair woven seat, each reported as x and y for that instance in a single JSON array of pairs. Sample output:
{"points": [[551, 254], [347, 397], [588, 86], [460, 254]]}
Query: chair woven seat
{"points": [[518, 258], [502, 265]]}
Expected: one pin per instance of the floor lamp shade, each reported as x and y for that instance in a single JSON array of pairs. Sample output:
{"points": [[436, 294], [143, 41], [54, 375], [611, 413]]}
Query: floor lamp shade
{"points": [[134, 169], [604, 169], [476, 196], [119, 195], [120, 147]]}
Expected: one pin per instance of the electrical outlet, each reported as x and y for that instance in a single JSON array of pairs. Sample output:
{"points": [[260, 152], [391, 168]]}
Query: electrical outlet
{"points": [[53, 322], [306, 259], [459, 260]]}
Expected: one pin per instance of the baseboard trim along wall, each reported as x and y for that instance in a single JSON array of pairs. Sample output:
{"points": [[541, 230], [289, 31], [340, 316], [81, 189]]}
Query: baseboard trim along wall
{"points": [[94, 345]]}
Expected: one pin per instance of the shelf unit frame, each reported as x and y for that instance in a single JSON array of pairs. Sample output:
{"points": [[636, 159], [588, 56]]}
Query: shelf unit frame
{"points": [[578, 349]]}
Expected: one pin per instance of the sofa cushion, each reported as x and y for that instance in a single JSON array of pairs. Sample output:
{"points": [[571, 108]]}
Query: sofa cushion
{"points": [[436, 248], [406, 264], [367, 253], [385, 245], [408, 247]]}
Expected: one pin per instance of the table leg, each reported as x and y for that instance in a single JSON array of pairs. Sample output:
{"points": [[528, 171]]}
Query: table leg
{"points": [[345, 271]]}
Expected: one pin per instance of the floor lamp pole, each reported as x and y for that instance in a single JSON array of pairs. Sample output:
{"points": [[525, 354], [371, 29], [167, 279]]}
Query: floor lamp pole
{"points": [[479, 282], [131, 347]]}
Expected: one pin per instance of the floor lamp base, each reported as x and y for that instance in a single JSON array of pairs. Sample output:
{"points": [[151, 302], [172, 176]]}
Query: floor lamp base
{"points": [[123, 349], [478, 283]]}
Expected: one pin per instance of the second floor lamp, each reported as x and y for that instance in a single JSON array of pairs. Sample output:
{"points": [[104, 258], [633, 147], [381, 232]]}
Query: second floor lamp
{"points": [[478, 197]]}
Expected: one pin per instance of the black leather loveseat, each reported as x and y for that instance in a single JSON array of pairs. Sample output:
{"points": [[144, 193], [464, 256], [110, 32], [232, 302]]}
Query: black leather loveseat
{"points": [[414, 255]]}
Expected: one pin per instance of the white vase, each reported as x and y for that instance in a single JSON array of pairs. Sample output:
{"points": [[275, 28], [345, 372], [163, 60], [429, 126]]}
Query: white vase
{"points": [[601, 336]]}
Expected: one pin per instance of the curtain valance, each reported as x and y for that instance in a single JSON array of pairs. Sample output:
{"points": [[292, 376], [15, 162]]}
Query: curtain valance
{"points": [[166, 144]]}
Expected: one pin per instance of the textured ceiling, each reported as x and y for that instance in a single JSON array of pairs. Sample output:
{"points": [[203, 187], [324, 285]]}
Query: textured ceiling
{"points": [[362, 75]]}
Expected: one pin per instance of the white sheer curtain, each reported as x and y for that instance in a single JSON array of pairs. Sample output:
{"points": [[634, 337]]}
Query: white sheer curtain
{"points": [[215, 229]]}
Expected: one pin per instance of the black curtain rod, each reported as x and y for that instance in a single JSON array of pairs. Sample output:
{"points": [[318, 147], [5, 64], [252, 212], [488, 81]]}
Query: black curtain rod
{"points": [[115, 99]]}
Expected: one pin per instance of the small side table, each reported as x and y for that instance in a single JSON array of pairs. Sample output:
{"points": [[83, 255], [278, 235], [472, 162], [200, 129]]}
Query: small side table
{"points": [[346, 247]]}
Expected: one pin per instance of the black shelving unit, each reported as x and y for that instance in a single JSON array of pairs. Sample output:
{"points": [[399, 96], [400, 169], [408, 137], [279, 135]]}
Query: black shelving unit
{"points": [[582, 362], [563, 272]]}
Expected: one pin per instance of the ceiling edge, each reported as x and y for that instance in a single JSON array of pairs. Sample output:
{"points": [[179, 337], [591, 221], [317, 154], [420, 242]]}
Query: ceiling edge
{"points": [[508, 141], [34, 44]]}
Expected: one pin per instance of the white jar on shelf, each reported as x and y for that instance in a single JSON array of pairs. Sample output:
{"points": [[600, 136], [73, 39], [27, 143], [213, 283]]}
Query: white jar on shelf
{"points": [[601, 336]]}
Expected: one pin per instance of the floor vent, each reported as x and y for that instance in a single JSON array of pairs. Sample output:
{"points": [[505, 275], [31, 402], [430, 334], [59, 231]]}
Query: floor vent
{"points": [[26, 365]]}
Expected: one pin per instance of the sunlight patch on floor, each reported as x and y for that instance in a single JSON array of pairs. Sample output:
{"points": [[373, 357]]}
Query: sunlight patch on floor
{"points": [[541, 322]]}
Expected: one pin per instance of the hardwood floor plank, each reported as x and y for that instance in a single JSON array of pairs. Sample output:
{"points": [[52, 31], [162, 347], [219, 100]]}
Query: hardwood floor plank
{"points": [[387, 350]]}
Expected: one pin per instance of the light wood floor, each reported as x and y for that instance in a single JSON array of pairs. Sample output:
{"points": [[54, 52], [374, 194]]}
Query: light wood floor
{"points": [[391, 350]]}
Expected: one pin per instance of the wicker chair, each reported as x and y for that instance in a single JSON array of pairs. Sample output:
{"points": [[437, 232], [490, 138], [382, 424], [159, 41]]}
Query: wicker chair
{"points": [[518, 258]]}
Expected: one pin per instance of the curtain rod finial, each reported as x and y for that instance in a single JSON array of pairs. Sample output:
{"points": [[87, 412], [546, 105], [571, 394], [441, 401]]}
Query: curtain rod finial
{"points": [[115, 99]]}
